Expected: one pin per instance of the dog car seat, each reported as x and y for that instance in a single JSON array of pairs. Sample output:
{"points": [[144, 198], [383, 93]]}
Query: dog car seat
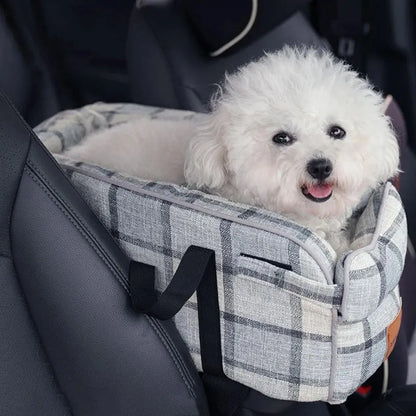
{"points": [[70, 342], [295, 323], [169, 62]]}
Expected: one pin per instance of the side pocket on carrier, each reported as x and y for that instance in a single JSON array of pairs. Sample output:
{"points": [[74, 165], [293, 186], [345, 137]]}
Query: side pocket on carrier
{"points": [[277, 331]]}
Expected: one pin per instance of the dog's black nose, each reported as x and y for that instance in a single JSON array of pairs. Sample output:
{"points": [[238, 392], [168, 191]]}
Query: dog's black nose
{"points": [[319, 168]]}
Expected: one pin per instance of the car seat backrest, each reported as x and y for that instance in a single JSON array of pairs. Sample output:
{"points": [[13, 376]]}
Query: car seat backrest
{"points": [[28, 383], [170, 67], [225, 26]]}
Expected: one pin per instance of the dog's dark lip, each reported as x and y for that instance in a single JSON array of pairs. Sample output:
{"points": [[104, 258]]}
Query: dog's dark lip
{"points": [[311, 197]]}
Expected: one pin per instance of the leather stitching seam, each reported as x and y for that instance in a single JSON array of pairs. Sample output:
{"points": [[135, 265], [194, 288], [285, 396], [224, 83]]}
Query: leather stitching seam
{"points": [[61, 200], [82, 232]]}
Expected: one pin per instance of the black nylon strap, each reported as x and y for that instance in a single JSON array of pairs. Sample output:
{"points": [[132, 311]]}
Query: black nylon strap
{"points": [[209, 320], [191, 271], [196, 271], [141, 281]]}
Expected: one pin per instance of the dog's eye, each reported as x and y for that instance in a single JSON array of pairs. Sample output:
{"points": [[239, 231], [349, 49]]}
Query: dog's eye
{"points": [[336, 132], [283, 138]]}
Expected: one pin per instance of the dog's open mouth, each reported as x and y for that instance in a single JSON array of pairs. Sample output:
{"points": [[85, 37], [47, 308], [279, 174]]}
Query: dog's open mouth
{"points": [[317, 192]]}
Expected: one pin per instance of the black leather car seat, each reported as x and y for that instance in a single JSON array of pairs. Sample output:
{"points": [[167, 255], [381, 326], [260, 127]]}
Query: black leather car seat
{"points": [[70, 342]]}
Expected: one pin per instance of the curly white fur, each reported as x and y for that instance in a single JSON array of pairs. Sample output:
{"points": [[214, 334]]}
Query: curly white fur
{"points": [[301, 92]]}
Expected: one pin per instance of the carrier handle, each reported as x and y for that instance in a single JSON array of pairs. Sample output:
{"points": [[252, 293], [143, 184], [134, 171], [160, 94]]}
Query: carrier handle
{"points": [[196, 266], [196, 272]]}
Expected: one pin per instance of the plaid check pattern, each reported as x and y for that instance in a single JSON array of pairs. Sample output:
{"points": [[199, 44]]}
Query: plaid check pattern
{"points": [[296, 323]]}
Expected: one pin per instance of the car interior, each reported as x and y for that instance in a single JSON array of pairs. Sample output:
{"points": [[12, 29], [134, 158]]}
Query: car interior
{"points": [[71, 343]]}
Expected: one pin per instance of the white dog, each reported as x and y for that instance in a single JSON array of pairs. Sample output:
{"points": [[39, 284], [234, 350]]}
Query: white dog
{"points": [[297, 132]]}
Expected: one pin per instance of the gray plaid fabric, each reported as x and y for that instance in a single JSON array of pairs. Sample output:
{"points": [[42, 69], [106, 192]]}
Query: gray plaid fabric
{"points": [[296, 324]]}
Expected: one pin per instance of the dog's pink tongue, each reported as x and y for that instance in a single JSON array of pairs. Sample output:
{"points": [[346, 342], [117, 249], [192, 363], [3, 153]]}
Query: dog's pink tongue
{"points": [[319, 191]]}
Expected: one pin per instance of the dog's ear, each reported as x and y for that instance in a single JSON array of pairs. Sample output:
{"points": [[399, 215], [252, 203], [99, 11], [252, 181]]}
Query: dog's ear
{"points": [[389, 154], [205, 165]]}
